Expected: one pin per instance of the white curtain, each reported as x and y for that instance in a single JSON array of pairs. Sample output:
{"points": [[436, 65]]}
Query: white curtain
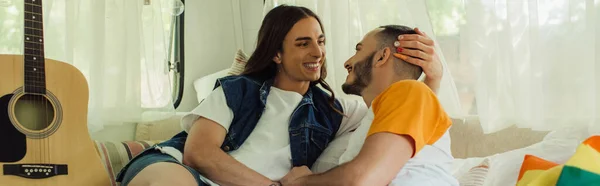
{"points": [[347, 21], [121, 46], [530, 63], [536, 63]]}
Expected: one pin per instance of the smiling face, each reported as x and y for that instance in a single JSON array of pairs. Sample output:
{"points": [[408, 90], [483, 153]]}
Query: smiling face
{"points": [[303, 54], [360, 66]]}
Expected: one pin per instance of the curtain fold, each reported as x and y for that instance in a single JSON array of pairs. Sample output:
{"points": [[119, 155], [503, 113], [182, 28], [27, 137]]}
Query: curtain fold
{"points": [[536, 62], [120, 46], [530, 63]]}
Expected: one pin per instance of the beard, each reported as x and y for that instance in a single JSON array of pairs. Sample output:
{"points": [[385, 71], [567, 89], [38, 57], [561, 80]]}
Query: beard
{"points": [[362, 70]]}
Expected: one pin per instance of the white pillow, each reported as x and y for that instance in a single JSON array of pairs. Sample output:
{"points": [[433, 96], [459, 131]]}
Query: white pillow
{"points": [[204, 86], [558, 146]]}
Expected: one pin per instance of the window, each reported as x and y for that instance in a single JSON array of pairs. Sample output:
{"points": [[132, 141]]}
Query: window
{"points": [[176, 55], [65, 35]]}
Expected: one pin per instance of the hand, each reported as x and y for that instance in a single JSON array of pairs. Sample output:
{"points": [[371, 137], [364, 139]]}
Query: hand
{"points": [[294, 177], [419, 50]]}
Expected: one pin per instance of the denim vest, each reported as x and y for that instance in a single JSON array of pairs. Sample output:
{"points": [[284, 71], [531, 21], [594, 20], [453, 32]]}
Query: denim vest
{"points": [[313, 124]]}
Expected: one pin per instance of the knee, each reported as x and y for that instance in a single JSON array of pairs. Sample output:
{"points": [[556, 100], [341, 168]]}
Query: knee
{"points": [[181, 182], [163, 174], [162, 181]]}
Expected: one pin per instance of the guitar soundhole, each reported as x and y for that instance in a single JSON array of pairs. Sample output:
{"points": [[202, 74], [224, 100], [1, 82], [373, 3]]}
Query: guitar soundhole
{"points": [[34, 112]]}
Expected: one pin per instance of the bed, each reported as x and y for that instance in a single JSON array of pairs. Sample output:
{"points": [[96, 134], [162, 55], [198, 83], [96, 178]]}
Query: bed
{"points": [[480, 159]]}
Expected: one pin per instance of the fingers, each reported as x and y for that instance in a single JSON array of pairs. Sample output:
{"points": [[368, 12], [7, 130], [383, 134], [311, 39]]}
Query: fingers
{"points": [[415, 48], [415, 53], [416, 37], [416, 45], [418, 41], [419, 32], [303, 169], [412, 60]]}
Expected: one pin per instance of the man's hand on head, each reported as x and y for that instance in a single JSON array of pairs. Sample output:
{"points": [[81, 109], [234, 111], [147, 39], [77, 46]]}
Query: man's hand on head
{"points": [[419, 49], [295, 176]]}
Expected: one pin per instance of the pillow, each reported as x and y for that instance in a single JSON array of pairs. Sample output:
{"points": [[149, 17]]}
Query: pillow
{"points": [[476, 176], [535, 169], [582, 168], [116, 155], [239, 63], [159, 130], [505, 167], [204, 86]]}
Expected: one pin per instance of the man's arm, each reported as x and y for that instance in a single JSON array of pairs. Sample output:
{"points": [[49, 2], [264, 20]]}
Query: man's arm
{"points": [[408, 116], [355, 111], [202, 152], [380, 159]]}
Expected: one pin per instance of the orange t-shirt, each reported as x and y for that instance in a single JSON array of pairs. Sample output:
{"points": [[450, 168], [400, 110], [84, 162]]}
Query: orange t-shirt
{"points": [[410, 108]]}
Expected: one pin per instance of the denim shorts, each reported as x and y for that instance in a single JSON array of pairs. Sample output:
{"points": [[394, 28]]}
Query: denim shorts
{"points": [[151, 156]]}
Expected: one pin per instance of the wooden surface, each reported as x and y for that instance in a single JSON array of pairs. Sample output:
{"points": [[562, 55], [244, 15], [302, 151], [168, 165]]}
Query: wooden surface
{"points": [[71, 143]]}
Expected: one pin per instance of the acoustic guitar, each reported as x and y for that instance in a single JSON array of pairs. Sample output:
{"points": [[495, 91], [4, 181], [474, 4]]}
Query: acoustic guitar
{"points": [[44, 138]]}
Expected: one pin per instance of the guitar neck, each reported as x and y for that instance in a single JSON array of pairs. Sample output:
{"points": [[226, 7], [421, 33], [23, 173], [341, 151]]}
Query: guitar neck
{"points": [[35, 79]]}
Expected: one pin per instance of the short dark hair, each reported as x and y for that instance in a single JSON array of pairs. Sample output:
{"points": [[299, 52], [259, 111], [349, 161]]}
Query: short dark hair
{"points": [[386, 38]]}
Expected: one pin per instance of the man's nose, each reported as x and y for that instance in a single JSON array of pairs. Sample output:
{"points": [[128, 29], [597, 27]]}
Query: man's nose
{"points": [[316, 51], [347, 65]]}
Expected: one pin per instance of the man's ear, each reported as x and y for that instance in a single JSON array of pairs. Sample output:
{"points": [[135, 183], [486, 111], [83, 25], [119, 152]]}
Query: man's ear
{"points": [[277, 58], [383, 56]]}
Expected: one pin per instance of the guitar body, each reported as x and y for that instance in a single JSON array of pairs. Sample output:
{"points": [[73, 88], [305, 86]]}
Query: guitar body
{"points": [[56, 138]]}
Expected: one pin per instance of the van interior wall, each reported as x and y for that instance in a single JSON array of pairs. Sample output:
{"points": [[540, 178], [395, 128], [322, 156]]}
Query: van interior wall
{"points": [[214, 31]]}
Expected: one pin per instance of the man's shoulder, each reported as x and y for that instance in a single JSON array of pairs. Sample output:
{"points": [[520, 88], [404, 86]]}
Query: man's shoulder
{"points": [[238, 88], [237, 79], [403, 91], [408, 87], [238, 84]]}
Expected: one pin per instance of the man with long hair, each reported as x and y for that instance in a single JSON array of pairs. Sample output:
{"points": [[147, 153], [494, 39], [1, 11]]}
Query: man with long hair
{"points": [[253, 128]]}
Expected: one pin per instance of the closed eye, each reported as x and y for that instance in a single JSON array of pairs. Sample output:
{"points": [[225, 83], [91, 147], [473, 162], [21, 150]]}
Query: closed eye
{"points": [[303, 44], [358, 47]]}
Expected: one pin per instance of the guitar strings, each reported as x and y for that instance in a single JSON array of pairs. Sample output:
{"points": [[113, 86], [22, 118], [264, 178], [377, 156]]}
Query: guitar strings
{"points": [[45, 123], [44, 102], [34, 83], [38, 52], [43, 59], [47, 105]]}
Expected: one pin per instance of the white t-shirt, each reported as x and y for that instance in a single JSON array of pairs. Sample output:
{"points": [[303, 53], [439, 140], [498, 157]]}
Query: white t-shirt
{"points": [[267, 149], [429, 167]]}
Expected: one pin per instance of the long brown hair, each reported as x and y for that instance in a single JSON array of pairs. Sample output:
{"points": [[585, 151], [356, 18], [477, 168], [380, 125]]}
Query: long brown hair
{"points": [[275, 26]]}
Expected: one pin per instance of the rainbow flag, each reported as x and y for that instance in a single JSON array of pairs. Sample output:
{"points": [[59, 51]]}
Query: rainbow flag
{"points": [[582, 169]]}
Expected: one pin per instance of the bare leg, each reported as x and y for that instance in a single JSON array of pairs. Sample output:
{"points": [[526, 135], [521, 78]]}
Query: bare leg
{"points": [[163, 174]]}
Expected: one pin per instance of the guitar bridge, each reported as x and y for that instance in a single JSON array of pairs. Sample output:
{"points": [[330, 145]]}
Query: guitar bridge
{"points": [[35, 171]]}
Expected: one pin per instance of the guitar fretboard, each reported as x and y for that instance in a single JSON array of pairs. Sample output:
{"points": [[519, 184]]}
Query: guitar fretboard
{"points": [[35, 79]]}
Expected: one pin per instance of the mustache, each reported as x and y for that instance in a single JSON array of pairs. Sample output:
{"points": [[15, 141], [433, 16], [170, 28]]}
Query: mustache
{"points": [[362, 71]]}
